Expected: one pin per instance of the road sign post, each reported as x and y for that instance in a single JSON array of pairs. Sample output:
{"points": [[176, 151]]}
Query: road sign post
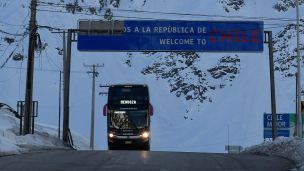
{"points": [[272, 85]]}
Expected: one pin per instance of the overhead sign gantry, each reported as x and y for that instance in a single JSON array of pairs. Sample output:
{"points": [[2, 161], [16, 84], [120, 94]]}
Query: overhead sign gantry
{"points": [[168, 36]]}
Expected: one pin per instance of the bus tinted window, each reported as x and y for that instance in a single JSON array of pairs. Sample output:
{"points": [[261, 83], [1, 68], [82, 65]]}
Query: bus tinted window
{"points": [[128, 94]]}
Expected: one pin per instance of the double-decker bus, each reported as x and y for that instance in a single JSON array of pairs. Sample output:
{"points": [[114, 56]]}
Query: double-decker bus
{"points": [[128, 114]]}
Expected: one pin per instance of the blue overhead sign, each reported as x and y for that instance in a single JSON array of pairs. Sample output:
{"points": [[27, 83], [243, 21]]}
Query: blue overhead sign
{"points": [[203, 36]]}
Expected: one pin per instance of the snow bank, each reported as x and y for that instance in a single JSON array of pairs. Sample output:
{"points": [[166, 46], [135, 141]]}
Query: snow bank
{"points": [[291, 148], [45, 137]]}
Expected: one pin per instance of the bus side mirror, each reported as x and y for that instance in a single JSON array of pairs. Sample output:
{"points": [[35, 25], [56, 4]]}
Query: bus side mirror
{"points": [[151, 110], [105, 110]]}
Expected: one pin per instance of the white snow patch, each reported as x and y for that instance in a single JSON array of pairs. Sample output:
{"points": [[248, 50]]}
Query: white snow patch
{"points": [[45, 137]]}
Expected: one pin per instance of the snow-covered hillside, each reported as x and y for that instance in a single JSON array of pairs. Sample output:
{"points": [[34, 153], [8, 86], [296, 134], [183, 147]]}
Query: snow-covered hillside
{"points": [[291, 148], [195, 95], [45, 137]]}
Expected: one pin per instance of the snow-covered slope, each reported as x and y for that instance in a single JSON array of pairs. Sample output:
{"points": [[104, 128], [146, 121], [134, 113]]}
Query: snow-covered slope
{"points": [[291, 148], [45, 137], [195, 95]]}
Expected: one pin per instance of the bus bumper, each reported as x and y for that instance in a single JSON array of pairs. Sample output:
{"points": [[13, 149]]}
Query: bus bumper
{"points": [[128, 140]]}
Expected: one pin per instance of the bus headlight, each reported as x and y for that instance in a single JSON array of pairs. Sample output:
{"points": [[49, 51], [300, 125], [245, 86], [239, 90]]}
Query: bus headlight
{"points": [[111, 135], [145, 135]]}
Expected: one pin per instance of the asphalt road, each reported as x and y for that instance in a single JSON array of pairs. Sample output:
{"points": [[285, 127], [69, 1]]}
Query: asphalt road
{"points": [[140, 160]]}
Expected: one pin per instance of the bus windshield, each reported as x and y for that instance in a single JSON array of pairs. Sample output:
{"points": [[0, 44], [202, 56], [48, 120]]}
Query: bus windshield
{"points": [[128, 119]]}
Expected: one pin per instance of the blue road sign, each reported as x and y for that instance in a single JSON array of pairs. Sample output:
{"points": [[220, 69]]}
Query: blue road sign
{"points": [[280, 133], [282, 120], [203, 36]]}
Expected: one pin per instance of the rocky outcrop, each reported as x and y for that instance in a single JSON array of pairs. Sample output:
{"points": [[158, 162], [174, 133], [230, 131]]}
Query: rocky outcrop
{"points": [[285, 50], [227, 67], [285, 5], [186, 79], [128, 61], [115, 3], [232, 4]]}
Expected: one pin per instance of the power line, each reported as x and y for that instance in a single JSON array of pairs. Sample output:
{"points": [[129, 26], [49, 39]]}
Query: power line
{"points": [[20, 78], [173, 13], [51, 60], [278, 25], [16, 33], [197, 15], [10, 78], [49, 27], [150, 18], [9, 44], [46, 70], [50, 24], [275, 25], [12, 24], [73, 104], [8, 57], [202, 15], [11, 33]]}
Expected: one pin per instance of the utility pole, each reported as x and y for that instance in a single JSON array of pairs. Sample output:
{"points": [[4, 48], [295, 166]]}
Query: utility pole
{"points": [[65, 127], [59, 106], [296, 129], [95, 74], [30, 71], [272, 85], [64, 57], [299, 77], [66, 92]]}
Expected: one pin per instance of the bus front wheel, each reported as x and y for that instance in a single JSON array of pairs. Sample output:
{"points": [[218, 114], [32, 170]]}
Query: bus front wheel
{"points": [[110, 147], [146, 147]]}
